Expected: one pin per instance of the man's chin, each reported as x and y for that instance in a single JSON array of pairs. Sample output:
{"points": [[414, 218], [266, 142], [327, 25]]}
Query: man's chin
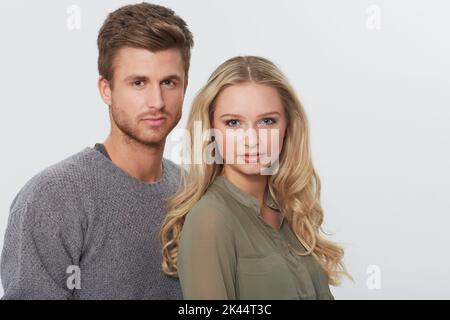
{"points": [[153, 141]]}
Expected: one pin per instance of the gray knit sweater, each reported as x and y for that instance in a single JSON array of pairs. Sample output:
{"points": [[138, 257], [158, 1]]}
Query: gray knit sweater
{"points": [[85, 229]]}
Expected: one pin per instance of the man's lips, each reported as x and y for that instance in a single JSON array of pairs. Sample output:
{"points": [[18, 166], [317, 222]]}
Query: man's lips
{"points": [[153, 118], [154, 121]]}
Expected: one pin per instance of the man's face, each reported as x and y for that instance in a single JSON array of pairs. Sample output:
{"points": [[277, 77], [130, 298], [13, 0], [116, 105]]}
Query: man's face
{"points": [[147, 93]]}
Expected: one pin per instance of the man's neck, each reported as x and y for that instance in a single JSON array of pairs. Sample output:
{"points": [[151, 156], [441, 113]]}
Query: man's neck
{"points": [[140, 161]]}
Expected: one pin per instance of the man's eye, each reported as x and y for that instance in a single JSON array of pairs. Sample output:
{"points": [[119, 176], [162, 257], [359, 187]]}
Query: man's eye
{"points": [[268, 121], [138, 83], [168, 83], [232, 123]]}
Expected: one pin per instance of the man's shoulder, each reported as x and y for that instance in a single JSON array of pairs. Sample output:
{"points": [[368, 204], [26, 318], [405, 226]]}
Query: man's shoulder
{"points": [[63, 177], [74, 167], [171, 166], [175, 172]]}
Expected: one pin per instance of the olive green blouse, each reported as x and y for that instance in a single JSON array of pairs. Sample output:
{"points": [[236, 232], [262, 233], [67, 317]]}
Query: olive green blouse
{"points": [[228, 251]]}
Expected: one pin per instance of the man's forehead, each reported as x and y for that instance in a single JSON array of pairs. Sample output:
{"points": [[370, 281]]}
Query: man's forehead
{"points": [[147, 63]]}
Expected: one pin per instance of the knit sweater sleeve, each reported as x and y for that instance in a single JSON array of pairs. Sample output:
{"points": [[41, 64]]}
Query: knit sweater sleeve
{"points": [[42, 244]]}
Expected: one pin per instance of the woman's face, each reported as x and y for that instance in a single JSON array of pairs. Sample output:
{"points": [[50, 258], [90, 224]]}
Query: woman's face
{"points": [[250, 122]]}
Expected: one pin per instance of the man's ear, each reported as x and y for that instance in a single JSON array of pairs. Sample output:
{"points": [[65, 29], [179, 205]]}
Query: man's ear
{"points": [[104, 86]]}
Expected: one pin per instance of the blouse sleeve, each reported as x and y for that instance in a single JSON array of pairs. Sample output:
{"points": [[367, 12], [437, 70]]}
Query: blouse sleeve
{"points": [[207, 257]]}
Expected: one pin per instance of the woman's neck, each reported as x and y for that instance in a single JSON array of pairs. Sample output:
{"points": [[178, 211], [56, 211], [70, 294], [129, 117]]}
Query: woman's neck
{"points": [[254, 185]]}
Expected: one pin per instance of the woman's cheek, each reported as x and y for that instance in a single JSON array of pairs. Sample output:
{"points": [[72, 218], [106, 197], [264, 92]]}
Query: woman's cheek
{"points": [[224, 146], [229, 149]]}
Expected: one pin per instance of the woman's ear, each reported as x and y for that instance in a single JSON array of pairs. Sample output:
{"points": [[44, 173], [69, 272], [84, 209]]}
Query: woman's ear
{"points": [[104, 86]]}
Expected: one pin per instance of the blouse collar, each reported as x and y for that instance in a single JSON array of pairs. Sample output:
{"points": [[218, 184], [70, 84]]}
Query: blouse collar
{"points": [[244, 197]]}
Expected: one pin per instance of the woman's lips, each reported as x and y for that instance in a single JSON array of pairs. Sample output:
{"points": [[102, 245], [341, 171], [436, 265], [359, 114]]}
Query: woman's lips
{"points": [[251, 158]]}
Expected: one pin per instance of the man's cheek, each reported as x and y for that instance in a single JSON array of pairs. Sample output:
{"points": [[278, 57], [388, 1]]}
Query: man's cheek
{"points": [[174, 103]]}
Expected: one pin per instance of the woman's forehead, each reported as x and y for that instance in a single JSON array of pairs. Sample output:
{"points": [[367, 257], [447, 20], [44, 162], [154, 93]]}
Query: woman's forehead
{"points": [[248, 100]]}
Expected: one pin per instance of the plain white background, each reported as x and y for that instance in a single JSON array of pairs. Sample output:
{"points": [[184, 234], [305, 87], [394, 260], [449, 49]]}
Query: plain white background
{"points": [[374, 78]]}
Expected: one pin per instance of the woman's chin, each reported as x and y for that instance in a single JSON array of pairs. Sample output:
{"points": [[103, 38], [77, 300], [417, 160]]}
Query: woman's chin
{"points": [[253, 168]]}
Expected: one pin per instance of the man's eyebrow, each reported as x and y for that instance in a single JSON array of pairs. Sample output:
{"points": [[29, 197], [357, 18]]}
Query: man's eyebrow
{"points": [[142, 77], [173, 77], [238, 116], [135, 77]]}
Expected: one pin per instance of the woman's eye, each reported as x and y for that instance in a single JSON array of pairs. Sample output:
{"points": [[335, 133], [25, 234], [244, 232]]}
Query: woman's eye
{"points": [[232, 123], [268, 121]]}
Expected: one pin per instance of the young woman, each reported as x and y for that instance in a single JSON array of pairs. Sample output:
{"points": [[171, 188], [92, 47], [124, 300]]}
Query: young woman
{"points": [[240, 227]]}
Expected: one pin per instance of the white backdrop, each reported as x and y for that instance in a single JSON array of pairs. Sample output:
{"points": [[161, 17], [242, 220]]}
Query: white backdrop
{"points": [[374, 77]]}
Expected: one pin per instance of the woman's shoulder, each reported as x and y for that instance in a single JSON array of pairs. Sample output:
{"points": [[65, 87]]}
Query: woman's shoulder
{"points": [[211, 209]]}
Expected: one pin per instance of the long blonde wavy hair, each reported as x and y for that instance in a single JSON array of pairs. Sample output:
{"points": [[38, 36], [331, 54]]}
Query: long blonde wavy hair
{"points": [[295, 186]]}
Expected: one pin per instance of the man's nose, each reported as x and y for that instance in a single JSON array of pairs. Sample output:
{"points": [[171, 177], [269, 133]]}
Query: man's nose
{"points": [[155, 98]]}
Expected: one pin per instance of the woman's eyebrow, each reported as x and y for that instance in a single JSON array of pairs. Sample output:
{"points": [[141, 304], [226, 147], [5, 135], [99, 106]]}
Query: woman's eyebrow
{"points": [[269, 113], [239, 116], [230, 115]]}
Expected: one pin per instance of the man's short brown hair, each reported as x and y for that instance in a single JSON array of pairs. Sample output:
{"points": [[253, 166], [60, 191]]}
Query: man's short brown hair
{"points": [[146, 26]]}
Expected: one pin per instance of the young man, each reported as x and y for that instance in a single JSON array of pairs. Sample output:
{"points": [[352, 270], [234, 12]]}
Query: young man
{"points": [[87, 227]]}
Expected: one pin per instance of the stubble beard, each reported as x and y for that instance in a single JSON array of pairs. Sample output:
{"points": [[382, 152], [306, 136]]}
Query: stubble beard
{"points": [[134, 134]]}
